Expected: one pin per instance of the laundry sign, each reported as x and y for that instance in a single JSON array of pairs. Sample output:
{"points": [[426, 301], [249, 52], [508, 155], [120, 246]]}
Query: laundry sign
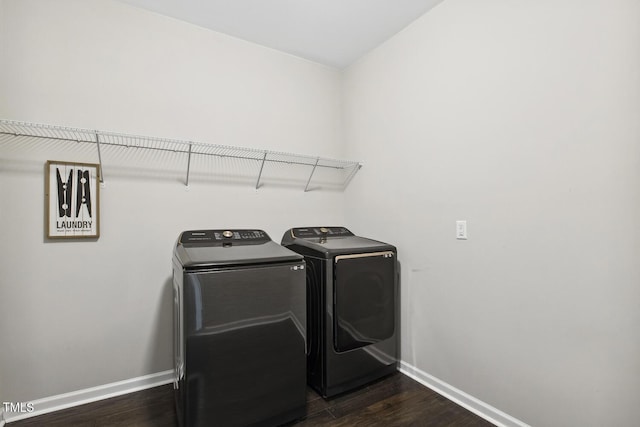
{"points": [[72, 200]]}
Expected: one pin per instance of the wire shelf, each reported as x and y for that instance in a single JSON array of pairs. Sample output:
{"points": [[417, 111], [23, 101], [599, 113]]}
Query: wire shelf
{"points": [[320, 172]]}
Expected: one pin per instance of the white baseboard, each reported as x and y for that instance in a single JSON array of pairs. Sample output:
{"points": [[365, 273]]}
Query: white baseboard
{"points": [[93, 394], [463, 399]]}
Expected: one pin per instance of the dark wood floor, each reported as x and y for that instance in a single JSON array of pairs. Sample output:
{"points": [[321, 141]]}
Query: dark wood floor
{"points": [[393, 401]]}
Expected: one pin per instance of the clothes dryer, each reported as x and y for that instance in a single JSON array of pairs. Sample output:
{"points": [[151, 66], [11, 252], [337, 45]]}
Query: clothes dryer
{"points": [[352, 307]]}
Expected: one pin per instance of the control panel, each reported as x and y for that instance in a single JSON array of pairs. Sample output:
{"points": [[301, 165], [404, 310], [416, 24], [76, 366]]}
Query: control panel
{"points": [[320, 232], [211, 237]]}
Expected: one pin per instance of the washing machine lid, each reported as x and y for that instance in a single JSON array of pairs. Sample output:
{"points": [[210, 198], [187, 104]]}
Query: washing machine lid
{"points": [[327, 242], [200, 249]]}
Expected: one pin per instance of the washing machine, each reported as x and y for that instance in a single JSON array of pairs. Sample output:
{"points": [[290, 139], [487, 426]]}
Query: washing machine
{"points": [[352, 307], [239, 330]]}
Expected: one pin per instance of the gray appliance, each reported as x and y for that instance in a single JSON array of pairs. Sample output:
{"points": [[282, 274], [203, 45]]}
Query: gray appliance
{"points": [[239, 329], [352, 307]]}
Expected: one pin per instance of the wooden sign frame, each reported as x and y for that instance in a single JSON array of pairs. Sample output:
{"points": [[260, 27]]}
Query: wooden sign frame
{"points": [[72, 193]]}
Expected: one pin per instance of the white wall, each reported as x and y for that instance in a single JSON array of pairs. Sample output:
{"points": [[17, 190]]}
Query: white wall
{"points": [[521, 118], [2, 38], [80, 314]]}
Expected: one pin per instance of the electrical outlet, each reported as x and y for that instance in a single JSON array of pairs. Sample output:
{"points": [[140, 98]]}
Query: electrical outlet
{"points": [[461, 230]]}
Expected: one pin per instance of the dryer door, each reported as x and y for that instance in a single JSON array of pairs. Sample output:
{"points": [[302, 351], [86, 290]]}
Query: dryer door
{"points": [[364, 299]]}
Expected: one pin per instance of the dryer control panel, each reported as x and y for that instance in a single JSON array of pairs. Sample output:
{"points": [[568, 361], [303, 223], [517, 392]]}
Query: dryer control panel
{"points": [[213, 237], [319, 232]]}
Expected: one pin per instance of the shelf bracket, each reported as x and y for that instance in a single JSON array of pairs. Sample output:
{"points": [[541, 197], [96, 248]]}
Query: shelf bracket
{"points": [[188, 165], [264, 158], [306, 188], [355, 170], [99, 156]]}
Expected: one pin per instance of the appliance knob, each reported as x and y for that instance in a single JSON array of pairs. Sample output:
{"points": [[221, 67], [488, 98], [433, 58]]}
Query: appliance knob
{"points": [[228, 234]]}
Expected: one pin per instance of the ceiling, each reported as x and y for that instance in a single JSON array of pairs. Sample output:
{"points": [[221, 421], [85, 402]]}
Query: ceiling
{"points": [[331, 32]]}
